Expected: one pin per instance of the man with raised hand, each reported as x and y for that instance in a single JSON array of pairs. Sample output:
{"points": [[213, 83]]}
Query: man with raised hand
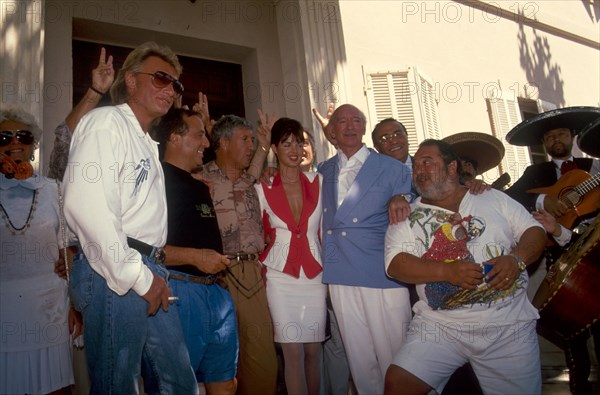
{"points": [[371, 309], [114, 195], [231, 176]]}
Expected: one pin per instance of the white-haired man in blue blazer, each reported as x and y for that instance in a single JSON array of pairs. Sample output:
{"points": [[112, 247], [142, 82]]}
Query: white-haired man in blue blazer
{"points": [[372, 310]]}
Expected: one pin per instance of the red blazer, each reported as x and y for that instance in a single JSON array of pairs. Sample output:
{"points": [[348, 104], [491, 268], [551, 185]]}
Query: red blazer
{"points": [[292, 245]]}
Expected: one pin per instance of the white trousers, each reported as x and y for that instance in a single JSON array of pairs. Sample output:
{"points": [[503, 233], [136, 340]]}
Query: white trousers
{"points": [[372, 322]]}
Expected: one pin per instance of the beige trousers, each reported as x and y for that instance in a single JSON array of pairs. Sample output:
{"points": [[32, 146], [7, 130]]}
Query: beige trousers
{"points": [[257, 362]]}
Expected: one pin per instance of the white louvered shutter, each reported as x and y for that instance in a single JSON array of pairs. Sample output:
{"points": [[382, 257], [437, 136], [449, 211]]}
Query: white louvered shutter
{"points": [[429, 110], [407, 97], [504, 115]]}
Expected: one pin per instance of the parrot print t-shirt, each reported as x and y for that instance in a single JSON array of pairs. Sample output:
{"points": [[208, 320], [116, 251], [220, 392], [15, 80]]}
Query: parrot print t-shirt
{"points": [[486, 226]]}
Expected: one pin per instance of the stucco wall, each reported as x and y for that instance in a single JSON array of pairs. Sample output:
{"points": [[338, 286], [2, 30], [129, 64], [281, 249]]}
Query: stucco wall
{"points": [[21, 57], [296, 54], [469, 51]]}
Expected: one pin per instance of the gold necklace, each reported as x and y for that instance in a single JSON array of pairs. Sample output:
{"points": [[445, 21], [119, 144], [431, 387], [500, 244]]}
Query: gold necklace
{"points": [[9, 224]]}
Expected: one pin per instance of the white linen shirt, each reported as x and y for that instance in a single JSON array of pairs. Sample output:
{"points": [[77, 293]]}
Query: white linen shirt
{"points": [[113, 188], [349, 168]]}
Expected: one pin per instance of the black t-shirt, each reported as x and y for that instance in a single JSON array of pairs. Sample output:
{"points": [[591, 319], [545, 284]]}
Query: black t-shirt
{"points": [[191, 215]]}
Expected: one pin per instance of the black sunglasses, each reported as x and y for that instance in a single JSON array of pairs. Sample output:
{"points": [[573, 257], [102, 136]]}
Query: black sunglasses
{"points": [[160, 80], [24, 137]]}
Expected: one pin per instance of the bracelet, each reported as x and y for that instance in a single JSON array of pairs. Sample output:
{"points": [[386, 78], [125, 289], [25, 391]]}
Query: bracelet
{"points": [[520, 263], [97, 91]]}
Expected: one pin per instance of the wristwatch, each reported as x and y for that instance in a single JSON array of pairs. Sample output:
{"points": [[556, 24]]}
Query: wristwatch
{"points": [[406, 196], [520, 263]]}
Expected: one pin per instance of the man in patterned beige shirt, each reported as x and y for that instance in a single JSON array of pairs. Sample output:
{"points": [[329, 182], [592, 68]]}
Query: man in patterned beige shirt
{"points": [[232, 177]]}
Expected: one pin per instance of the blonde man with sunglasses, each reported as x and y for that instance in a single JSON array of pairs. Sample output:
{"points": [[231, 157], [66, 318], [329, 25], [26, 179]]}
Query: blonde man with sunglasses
{"points": [[115, 203]]}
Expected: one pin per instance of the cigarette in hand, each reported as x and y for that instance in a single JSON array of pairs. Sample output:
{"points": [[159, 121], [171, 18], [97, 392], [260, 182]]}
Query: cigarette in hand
{"points": [[173, 299]]}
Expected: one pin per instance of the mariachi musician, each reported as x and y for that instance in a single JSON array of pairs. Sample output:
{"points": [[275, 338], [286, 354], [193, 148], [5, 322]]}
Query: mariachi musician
{"points": [[478, 153], [556, 131]]}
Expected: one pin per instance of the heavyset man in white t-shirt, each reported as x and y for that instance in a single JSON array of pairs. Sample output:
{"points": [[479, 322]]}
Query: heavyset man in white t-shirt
{"points": [[467, 254]]}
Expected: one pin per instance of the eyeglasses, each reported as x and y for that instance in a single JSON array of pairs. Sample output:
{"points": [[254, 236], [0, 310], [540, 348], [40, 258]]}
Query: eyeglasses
{"points": [[160, 80], [387, 138], [24, 137]]}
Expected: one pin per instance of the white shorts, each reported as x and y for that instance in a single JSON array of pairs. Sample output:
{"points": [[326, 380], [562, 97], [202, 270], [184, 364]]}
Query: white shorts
{"points": [[506, 359]]}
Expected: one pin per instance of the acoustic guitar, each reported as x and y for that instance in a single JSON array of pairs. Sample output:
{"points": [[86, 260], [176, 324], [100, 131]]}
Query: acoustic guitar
{"points": [[578, 190]]}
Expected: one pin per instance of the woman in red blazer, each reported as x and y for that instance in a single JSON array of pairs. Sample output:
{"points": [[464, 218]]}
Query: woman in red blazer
{"points": [[291, 208]]}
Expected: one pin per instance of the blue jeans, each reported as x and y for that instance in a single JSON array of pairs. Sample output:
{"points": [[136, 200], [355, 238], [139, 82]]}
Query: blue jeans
{"points": [[118, 334]]}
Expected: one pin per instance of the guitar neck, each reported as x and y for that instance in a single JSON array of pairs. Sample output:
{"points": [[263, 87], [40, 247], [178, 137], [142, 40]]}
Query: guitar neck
{"points": [[588, 185]]}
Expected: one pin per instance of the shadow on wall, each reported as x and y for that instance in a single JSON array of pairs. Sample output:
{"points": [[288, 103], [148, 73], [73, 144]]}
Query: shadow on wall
{"points": [[542, 72], [325, 54], [593, 9], [21, 53]]}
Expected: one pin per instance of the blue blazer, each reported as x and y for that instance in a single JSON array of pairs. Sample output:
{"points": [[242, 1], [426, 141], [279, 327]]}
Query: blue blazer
{"points": [[353, 235]]}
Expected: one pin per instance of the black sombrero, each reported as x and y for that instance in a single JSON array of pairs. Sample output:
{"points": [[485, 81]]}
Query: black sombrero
{"points": [[530, 131], [588, 139], [484, 148]]}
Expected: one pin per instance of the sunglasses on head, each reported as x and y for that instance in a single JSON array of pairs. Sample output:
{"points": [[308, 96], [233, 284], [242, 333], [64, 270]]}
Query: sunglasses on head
{"points": [[24, 137], [160, 80]]}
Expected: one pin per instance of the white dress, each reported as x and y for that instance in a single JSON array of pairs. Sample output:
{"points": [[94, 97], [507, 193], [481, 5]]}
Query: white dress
{"points": [[296, 302], [35, 349]]}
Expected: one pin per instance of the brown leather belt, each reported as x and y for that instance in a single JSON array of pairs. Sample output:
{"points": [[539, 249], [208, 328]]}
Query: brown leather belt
{"points": [[208, 280], [242, 256]]}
